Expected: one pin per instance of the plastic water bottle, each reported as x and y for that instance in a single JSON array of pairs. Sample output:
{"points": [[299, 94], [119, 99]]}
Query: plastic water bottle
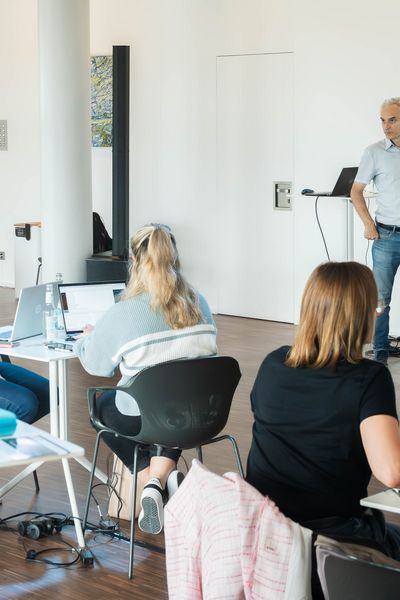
{"points": [[49, 316], [60, 319]]}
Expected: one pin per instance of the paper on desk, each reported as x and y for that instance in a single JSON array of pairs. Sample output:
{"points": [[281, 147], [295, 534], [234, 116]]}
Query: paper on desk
{"points": [[24, 447]]}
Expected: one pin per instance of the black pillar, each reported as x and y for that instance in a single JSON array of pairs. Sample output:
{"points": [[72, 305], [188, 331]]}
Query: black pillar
{"points": [[120, 153]]}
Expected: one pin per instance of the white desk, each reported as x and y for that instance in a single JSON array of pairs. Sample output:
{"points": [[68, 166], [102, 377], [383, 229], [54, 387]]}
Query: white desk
{"points": [[387, 500], [33, 349], [57, 450]]}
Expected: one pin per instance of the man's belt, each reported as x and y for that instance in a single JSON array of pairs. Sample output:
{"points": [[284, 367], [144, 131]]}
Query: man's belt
{"points": [[388, 227]]}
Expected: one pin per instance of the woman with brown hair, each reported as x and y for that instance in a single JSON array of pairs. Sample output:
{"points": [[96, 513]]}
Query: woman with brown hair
{"points": [[324, 416], [159, 318]]}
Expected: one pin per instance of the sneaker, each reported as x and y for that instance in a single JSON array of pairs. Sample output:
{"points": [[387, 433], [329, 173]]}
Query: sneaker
{"points": [[174, 480], [151, 517], [381, 356]]}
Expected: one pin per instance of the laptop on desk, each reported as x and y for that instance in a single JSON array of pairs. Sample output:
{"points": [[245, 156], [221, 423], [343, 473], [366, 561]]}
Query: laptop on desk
{"points": [[28, 316], [342, 186], [84, 303]]}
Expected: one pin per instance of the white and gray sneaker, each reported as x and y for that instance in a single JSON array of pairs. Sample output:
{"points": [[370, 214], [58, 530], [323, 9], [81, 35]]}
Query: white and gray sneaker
{"points": [[151, 517], [174, 480]]}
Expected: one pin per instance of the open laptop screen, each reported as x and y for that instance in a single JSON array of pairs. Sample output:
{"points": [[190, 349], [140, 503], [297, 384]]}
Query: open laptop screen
{"points": [[84, 303]]}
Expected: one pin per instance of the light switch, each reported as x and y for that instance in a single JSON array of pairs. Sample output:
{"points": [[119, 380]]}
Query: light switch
{"points": [[282, 195]]}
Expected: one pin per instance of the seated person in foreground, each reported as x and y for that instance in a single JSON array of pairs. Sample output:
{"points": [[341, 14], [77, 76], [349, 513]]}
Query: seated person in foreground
{"points": [[157, 299], [325, 417], [23, 392]]}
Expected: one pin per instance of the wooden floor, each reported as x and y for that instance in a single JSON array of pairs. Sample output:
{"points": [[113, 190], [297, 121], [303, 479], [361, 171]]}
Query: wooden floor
{"points": [[249, 341]]}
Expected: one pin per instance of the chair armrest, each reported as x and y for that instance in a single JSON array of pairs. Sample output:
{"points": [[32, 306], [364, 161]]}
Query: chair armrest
{"points": [[92, 393]]}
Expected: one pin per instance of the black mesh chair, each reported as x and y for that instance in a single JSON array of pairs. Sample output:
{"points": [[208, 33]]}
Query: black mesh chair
{"points": [[355, 571], [183, 404]]}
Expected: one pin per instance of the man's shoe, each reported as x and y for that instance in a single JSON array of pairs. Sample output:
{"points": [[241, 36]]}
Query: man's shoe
{"points": [[174, 480], [394, 350], [151, 518], [382, 357]]}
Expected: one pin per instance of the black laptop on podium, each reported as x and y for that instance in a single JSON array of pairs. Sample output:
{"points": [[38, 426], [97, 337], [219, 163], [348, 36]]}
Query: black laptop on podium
{"points": [[342, 186]]}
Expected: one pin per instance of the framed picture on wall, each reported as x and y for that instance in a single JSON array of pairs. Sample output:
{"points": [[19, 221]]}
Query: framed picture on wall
{"points": [[101, 100]]}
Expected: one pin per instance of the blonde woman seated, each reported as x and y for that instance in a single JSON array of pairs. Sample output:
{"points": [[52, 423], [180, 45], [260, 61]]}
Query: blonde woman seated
{"points": [[325, 417], [149, 325]]}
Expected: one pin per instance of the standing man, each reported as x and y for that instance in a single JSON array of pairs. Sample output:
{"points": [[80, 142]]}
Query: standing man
{"points": [[380, 163]]}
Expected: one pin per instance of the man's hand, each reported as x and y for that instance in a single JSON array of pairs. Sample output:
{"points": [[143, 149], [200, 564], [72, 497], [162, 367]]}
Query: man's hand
{"points": [[357, 197], [370, 232]]}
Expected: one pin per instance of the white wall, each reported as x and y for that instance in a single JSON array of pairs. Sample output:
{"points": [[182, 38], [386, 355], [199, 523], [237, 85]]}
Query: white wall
{"points": [[344, 66], [19, 105]]}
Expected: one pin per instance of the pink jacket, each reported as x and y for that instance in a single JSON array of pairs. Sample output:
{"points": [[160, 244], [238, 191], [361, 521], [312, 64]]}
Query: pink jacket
{"points": [[224, 540]]}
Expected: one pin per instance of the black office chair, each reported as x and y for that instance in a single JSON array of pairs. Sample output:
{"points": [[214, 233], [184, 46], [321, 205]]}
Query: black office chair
{"points": [[357, 572], [183, 404]]}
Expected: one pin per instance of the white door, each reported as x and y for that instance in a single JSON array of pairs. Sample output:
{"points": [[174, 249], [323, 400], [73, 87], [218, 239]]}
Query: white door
{"points": [[254, 150]]}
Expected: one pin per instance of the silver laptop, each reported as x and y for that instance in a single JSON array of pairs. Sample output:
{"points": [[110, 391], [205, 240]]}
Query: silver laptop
{"points": [[84, 303], [28, 317], [342, 186]]}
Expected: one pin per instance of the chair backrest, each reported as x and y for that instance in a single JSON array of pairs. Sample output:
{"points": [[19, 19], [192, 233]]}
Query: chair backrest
{"points": [[347, 577], [185, 402]]}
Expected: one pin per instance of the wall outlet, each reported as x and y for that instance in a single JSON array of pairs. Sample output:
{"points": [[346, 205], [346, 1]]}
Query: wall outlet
{"points": [[2, 256]]}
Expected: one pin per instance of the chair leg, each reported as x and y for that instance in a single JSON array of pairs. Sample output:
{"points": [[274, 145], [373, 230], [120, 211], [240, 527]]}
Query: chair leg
{"points": [[235, 449], [237, 455], [199, 453], [133, 511], [94, 461], [36, 480]]}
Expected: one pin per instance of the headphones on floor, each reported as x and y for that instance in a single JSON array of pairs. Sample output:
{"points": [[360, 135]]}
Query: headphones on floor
{"points": [[37, 528]]}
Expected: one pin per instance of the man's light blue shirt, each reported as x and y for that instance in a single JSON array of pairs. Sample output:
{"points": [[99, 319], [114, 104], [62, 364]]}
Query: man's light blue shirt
{"points": [[380, 163]]}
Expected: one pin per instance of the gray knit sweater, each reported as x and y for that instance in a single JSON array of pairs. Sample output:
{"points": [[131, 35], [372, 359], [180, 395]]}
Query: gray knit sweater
{"points": [[130, 335]]}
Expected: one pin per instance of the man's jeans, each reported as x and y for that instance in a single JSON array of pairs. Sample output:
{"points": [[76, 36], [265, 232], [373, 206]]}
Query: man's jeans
{"points": [[386, 261]]}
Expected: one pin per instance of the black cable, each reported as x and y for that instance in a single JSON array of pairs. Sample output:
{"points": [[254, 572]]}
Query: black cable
{"points": [[140, 543], [33, 554], [112, 482], [38, 269], [35, 515], [320, 228]]}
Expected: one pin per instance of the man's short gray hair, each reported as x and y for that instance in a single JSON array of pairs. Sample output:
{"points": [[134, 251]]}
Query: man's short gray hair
{"points": [[391, 101]]}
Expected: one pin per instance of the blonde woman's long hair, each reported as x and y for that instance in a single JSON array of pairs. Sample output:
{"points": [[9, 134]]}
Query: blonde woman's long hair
{"points": [[156, 270], [337, 316]]}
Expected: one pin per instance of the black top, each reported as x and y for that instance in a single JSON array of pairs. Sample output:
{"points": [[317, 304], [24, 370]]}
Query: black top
{"points": [[307, 453]]}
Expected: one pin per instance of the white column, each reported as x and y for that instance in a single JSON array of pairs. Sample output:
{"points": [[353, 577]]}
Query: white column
{"points": [[64, 60]]}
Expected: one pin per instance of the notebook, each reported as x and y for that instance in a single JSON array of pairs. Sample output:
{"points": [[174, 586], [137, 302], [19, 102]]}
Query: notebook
{"points": [[84, 303], [28, 317], [342, 186]]}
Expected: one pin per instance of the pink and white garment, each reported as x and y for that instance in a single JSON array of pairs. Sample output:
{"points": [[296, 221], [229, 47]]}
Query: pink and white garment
{"points": [[225, 541]]}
